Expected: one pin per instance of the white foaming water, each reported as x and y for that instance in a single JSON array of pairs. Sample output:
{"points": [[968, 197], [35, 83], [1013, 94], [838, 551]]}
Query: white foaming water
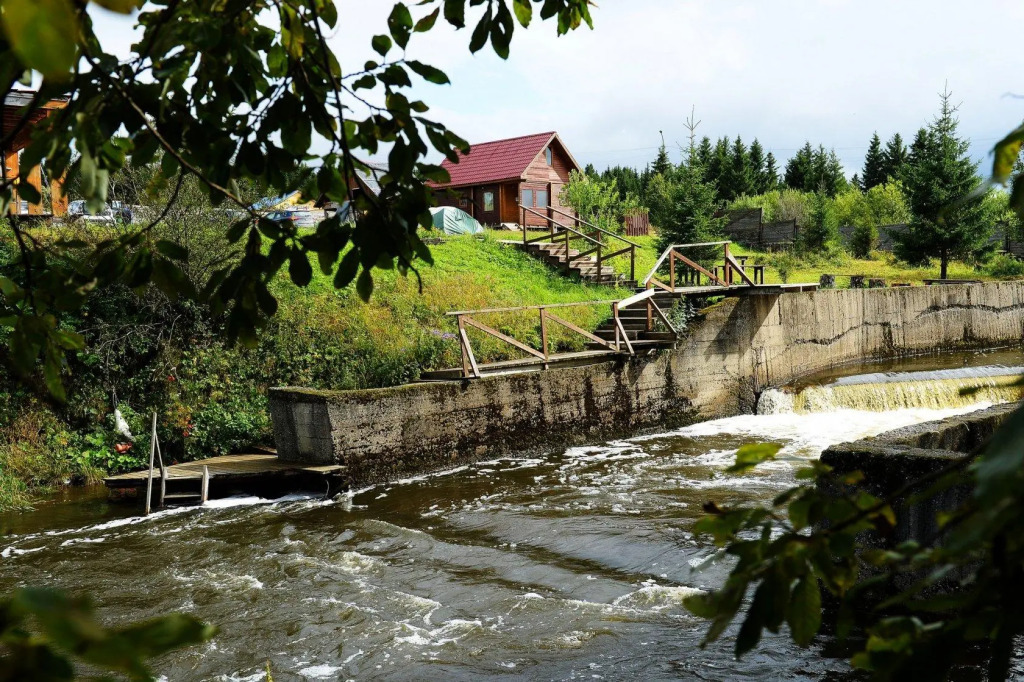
{"points": [[807, 435]]}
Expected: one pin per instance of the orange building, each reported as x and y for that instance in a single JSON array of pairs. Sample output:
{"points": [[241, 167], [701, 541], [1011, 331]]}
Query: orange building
{"points": [[16, 104]]}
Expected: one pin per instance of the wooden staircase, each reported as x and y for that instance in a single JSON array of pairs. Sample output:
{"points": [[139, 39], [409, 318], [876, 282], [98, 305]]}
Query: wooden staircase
{"points": [[584, 267], [634, 323]]}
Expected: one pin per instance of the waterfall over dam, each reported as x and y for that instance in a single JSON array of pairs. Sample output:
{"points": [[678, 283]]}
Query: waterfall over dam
{"points": [[882, 392]]}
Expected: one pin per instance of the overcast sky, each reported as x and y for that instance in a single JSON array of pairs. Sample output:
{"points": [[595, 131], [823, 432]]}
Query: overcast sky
{"points": [[784, 71]]}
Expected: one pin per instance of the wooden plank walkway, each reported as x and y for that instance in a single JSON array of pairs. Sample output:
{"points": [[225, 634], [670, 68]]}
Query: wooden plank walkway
{"points": [[227, 467]]}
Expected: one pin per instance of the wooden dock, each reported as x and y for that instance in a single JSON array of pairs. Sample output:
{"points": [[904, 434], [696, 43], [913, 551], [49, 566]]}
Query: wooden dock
{"points": [[260, 472]]}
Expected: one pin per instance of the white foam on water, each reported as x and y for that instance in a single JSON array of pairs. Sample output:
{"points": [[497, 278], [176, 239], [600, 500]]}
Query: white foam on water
{"points": [[319, 672], [808, 435], [450, 632], [657, 597]]}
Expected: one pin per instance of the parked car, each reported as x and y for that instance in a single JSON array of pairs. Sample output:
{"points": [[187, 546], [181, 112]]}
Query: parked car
{"points": [[297, 218]]}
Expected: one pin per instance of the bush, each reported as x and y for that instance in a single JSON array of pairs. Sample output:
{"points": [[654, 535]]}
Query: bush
{"points": [[1004, 266]]}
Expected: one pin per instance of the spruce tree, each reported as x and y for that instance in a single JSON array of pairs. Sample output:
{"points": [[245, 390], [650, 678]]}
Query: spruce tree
{"points": [[770, 179], [948, 220], [590, 170], [740, 178], [894, 157], [704, 152], [662, 164], [855, 181], [821, 233], [827, 173], [717, 171], [800, 168], [919, 147], [692, 203], [874, 165], [757, 167]]}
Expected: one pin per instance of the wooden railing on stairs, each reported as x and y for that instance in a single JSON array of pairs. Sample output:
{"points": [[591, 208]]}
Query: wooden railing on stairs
{"points": [[693, 274], [555, 228]]}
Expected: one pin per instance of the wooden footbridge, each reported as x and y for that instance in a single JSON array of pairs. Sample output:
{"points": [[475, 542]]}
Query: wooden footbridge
{"points": [[637, 324], [260, 472]]}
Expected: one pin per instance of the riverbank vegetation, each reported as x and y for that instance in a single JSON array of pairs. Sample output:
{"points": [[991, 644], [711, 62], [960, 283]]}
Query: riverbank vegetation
{"points": [[145, 351]]}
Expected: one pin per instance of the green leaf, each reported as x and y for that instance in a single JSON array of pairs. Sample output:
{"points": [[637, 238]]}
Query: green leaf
{"points": [[172, 250], [524, 12], [455, 12], [427, 22], [381, 44], [749, 456], [1006, 153], [428, 72], [43, 34], [804, 614], [299, 268], [400, 24], [120, 6], [480, 33]]}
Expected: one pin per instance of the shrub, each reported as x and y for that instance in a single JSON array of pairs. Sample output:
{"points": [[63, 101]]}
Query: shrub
{"points": [[1004, 266]]}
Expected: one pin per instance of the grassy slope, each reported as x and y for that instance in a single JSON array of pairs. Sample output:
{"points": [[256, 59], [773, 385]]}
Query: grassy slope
{"points": [[402, 327]]}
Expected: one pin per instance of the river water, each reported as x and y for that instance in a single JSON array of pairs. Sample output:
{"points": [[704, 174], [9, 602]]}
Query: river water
{"points": [[567, 566]]}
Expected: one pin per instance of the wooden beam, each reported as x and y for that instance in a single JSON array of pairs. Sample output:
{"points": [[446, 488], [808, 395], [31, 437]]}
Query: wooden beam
{"points": [[35, 180], [504, 337], [578, 330], [468, 360], [736, 266], [622, 330], [699, 268], [152, 456], [204, 491]]}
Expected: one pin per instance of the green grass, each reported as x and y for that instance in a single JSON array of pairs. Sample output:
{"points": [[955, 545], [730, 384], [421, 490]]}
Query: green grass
{"points": [[401, 329]]}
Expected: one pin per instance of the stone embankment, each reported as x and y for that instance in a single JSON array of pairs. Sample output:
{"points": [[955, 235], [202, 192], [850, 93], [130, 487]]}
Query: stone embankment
{"points": [[732, 352]]}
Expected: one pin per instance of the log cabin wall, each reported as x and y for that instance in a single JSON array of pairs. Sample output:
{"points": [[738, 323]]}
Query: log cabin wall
{"points": [[540, 176]]}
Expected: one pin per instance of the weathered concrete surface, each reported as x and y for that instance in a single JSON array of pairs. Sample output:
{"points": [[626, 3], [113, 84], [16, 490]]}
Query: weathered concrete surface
{"points": [[894, 460], [739, 347]]}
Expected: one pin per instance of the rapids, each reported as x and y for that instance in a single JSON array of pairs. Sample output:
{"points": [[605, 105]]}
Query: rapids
{"points": [[571, 565]]}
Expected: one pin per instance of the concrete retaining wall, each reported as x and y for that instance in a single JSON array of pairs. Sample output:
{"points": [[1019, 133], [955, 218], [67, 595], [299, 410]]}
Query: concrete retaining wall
{"points": [[741, 346]]}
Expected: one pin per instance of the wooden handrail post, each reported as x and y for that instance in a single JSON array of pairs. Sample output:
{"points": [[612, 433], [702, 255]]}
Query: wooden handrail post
{"points": [[632, 263], [650, 316], [522, 209], [672, 269], [544, 336], [599, 262], [568, 266], [152, 456], [463, 340], [615, 317], [163, 485]]}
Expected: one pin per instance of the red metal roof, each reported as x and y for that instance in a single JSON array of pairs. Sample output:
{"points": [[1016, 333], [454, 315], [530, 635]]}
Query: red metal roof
{"points": [[496, 161]]}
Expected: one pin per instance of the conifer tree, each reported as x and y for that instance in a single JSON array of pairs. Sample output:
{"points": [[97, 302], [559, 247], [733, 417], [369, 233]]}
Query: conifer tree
{"points": [[704, 152], [894, 157], [662, 164], [919, 147], [770, 179], [740, 177], [821, 233], [757, 168], [874, 165], [800, 168], [856, 182], [948, 220], [718, 169], [827, 175], [693, 202], [590, 170]]}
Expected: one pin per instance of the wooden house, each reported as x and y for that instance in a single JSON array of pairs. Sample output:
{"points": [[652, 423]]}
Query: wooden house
{"points": [[494, 179], [21, 112]]}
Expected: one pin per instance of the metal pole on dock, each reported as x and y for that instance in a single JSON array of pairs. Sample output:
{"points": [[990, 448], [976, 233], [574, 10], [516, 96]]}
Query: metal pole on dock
{"points": [[152, 456]]}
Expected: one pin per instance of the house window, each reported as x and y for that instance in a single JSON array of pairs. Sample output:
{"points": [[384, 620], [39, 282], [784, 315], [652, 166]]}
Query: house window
{"points": [[463, 202], [488, 201], [527, 199], [547, 155], [542, 198]]}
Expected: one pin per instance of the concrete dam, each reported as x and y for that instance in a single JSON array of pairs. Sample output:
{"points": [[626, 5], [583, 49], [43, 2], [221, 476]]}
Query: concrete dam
{"points": [[732, 353]]}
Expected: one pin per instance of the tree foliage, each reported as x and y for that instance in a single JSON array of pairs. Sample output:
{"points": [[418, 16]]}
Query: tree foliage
{"points": [[874, 172], [230, 92], [47, 636], [949, 220]]}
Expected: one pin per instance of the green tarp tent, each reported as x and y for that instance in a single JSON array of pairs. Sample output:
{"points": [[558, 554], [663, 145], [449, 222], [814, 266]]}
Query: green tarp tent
{"points": [[451, 220]]}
